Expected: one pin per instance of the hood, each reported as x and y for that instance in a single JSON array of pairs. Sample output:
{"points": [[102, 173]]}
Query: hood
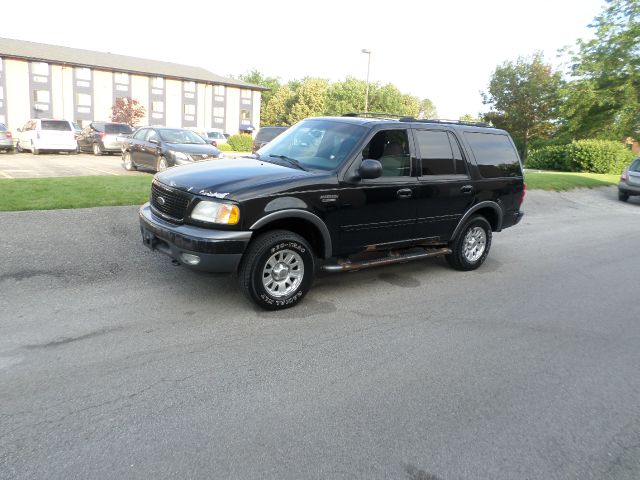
{"points": [[224, 178], [199, 148]]}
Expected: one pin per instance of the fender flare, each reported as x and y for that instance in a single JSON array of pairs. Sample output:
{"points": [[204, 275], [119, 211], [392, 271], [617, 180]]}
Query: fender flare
{"points": [[302, 214], [490, 204]]}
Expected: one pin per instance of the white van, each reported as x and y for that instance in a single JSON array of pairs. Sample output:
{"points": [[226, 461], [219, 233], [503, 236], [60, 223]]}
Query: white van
{"points": [[44, 134]]}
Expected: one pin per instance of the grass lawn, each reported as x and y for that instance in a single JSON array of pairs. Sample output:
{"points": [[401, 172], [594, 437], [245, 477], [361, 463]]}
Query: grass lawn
{"points": [[73, 192], [547, 180], [81, 192]]}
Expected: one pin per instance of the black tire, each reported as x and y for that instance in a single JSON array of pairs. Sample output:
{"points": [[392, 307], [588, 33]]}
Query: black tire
{"points": [[161, 164], [19, 147], [97, 149], [127, 162], [287, 250], [462, 258], [623, 197]]}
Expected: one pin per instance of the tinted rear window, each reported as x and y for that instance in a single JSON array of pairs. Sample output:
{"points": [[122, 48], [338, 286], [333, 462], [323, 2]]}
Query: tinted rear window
{"points": [[495, 154], [3, 128], [268, 134], [60, 125], [634, 167], [114, 128]]}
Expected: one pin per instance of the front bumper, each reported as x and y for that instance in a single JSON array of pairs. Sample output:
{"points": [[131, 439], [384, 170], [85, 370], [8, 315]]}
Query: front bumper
{"points": [[215, 250]]}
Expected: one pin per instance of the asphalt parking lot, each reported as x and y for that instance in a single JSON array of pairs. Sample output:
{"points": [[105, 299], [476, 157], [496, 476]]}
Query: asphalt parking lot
{"points": [[116, 364], [27, 165]]}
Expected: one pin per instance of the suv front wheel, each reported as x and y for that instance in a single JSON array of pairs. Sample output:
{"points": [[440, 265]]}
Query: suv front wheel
{"points": [[277, 270], [471, 247]]}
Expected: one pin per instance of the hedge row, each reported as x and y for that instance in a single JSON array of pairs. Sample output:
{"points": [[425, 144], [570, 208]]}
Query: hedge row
{"points": [[593, 156], [241, 142]]}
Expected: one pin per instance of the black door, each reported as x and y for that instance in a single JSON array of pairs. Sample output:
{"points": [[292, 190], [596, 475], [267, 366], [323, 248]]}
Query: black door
{"points": [[381, 211], [445, 189]]}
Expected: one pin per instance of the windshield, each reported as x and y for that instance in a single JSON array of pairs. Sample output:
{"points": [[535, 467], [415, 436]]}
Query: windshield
{"points": [[55, 125], [215, 135], [315, 144], [178, 135]]}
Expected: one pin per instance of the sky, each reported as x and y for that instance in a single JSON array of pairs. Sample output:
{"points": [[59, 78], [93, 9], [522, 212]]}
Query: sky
{"points": [[444, 51]]}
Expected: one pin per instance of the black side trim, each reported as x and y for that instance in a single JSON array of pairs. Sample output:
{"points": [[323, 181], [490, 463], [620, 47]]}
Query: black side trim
{"points": [[305, 215]]}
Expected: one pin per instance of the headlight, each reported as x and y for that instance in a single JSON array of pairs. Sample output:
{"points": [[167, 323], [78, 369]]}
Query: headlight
{"points": [[215, 212], [179, 156]]}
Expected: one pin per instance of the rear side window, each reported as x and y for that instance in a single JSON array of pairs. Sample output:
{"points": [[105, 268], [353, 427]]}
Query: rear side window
{"points": [[59, 125], [115, 128], [439, 153], [495, 154]]}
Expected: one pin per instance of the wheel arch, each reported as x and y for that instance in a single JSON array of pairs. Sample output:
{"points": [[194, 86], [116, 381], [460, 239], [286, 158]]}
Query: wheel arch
{"points": [[489, 210], [304, 223]]}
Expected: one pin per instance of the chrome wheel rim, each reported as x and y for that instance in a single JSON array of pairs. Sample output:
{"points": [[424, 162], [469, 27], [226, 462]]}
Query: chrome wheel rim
{"points": [[474, 244], [127, 161], [283, 273], [162, 164], [96, 149]]}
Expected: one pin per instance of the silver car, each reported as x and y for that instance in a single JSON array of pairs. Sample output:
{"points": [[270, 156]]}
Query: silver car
{"points": [[630, 181], [6, 139]]}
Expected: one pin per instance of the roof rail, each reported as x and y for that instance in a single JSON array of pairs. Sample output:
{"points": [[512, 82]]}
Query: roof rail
{"points": [[372, 115], [446, 121]]}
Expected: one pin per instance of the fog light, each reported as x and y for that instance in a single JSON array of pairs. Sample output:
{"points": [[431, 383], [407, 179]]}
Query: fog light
{"points": [[190, 259]]}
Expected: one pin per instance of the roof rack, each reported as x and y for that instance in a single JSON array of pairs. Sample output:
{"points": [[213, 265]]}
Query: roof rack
{"points": [[446, 121], [388, 116]]}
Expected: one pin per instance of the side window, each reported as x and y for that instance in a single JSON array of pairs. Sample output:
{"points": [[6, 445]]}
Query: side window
{"points": [[458, 159], [152, 135], [141, 134], [436, 155], [391, 149], [495, 154]]}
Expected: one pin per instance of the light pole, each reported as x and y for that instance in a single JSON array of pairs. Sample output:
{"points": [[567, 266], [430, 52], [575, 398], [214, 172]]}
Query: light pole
{"points": [[366, 95]]}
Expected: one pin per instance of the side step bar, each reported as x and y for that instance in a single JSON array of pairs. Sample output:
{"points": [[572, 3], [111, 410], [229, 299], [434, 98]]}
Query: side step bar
{"points": [[346, 265]]}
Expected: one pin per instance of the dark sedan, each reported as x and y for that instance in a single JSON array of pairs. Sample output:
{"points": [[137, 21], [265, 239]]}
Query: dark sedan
{"points": [[158, 148], [102, 137]]}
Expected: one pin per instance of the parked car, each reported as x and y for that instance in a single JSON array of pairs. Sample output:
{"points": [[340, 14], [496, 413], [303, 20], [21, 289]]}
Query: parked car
{"points": [[103, 137], [214, 136], [38, 135], [158, 148], [265, 135], [6, 139], [630, 181], [76, 128], [339, 194]]}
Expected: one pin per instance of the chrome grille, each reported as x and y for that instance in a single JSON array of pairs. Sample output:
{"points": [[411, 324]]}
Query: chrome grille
{"points": [[169, 203]]}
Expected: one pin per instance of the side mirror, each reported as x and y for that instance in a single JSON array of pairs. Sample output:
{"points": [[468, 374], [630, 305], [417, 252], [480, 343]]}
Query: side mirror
{"points": [[155, 141], [370, 169]]}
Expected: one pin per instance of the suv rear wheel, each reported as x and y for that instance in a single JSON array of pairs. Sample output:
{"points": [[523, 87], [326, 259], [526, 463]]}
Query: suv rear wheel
{"points": [[97, 149], [471, 247], [277, 270]]}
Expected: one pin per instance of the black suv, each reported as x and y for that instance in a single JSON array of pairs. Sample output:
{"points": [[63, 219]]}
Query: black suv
{"points": [[339, 194]]}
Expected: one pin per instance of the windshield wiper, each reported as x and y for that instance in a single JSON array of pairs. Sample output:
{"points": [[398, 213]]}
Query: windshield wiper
{"points": [[292, 161]]}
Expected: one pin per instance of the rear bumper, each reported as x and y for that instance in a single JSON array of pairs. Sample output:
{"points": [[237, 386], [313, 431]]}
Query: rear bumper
{"points": [[629, 189], [70, 145], [215, 250]]}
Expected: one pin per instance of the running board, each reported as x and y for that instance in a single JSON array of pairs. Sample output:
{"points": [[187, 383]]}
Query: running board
{"points": [[394, 257]]}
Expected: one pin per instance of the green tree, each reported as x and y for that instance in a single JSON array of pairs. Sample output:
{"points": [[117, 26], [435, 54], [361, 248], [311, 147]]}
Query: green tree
{"points": [[469, 118], [346, 97], [257, 78], [524, 98], [276, 111], [309, 99], [427, 109], [603, 99]]}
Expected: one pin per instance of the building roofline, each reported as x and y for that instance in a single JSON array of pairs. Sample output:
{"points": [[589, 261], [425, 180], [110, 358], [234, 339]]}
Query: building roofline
{"points": [[61, 55]]}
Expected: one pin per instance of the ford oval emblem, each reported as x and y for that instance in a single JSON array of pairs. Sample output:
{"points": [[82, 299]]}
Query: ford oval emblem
{"points": [[160, 201]]}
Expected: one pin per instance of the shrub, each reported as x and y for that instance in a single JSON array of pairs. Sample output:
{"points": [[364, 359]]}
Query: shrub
{"points": [[552, 157], [599, 156], [224, 147], [241, 142], [593, 156]]}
